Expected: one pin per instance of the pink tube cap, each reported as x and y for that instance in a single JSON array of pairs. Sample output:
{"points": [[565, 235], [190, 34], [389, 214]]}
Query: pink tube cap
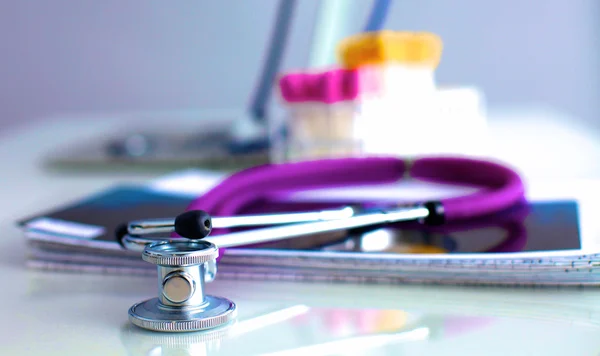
{"points": [[330, 86]]}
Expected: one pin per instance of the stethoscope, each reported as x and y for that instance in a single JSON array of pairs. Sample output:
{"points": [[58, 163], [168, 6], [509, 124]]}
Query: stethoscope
{"points": [[187, 258]]}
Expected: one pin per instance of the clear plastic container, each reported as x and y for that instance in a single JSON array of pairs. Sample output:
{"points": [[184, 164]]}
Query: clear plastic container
{"points": [[319, 130], [321, 114], [382, 101]]}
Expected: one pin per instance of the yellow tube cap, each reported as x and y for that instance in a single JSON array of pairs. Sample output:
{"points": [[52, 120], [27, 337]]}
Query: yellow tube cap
{"points": [[377, 48]]}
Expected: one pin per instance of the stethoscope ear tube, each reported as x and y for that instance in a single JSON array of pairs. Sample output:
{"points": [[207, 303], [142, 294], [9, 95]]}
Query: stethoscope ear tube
{"points": [[196, 224], [503, 189]]}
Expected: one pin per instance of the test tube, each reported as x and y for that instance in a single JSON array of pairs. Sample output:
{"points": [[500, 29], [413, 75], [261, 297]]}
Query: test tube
{"points": [[381, 100], [322, 110]]}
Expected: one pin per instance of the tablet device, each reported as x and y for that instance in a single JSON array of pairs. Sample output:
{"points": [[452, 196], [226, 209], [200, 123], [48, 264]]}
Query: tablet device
{"points": [[543, 235], [536, 226]]}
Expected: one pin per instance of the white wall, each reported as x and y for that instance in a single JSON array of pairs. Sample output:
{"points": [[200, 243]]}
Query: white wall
{"points": [[70, 56], [519, 52]]}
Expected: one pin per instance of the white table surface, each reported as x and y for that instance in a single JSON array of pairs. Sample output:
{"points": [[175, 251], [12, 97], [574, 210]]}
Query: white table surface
{"points": [[48, 313]]}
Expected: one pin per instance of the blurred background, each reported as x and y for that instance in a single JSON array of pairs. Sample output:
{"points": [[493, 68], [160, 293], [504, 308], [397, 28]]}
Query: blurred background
{"points": [[69, 57]]}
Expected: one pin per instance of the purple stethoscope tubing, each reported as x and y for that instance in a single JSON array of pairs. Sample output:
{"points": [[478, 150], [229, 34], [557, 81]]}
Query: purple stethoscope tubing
{"points": [[502, 186]]}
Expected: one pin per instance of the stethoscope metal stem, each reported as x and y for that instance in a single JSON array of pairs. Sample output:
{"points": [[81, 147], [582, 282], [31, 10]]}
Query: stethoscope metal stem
{"points": [[295, 230], [162, 226], [151, 226], [139, 242]]}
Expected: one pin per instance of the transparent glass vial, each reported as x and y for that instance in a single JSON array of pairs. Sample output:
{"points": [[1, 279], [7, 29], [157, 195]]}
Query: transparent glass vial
{"points": [[316, 130]]}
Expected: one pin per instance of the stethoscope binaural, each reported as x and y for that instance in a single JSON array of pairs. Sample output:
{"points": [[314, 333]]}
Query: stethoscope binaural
{"points": [[187, 258]]}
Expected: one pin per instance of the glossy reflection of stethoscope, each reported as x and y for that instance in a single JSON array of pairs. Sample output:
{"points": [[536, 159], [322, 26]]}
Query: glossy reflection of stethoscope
{"points": [[187, 258]]}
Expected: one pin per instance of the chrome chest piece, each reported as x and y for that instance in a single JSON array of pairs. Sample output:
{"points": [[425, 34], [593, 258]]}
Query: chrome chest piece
{"points": [[184, 266]]}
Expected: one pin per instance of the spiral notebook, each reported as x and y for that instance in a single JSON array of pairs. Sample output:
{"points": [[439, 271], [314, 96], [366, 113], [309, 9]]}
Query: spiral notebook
{"points": [[80, 237]]}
